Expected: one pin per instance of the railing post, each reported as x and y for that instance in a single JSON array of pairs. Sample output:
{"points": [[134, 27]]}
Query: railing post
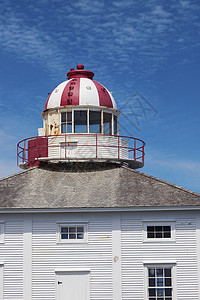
{"points": [[134, 149], [24, 151], [17, 155], [65, 147], [118, 147], [96, 147], [143, 153]]}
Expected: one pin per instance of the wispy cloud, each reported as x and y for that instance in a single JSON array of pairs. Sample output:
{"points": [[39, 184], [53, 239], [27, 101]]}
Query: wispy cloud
{"points": [[93, 29]]}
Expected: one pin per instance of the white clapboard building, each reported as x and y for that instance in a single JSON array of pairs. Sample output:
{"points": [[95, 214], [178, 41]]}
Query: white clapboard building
{"points": [[81, 223]]}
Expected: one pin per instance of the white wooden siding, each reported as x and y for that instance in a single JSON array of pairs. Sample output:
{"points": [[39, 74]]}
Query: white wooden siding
{"points": [[11, 254], [86, 147], [101, 254], [49, 255], [135, 253]]}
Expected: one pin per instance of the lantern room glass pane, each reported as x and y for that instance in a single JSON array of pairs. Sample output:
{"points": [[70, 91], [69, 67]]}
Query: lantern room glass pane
{"points": [[95, 121], [80, 121], [107, 123], [115, 125], [66, 122]]}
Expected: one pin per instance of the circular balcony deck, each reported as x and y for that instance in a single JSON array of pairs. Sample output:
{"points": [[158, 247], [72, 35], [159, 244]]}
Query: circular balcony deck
{"points": [[81, 148]]}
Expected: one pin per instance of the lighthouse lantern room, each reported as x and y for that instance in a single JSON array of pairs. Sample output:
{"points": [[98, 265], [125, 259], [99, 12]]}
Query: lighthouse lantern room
{"points": [[80, 125]]}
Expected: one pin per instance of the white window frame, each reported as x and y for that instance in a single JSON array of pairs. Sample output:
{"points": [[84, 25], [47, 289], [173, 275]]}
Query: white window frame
{"points": [[159, 223], [72, 241], [171, 265], [2, 232]]}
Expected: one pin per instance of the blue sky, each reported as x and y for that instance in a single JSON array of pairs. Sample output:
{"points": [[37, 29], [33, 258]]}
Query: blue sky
{"points": [[147, 48]]}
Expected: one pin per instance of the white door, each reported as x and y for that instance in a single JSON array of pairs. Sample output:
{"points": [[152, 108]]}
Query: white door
{"points": [[73, 285]]}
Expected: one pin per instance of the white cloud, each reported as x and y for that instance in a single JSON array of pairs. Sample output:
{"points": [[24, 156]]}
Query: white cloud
{"points": [[61, 32]]}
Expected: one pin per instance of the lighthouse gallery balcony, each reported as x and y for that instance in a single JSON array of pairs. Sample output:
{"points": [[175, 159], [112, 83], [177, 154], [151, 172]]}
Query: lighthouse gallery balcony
{"points": [[81, 148]]}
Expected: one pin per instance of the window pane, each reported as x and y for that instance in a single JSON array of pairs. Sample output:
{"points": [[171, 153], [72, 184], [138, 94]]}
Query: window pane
{"points": [[158, 228], [80, 121], [63, 117], [69, 117], [150, 228], [63, 128], [159, 272], [160, 281], [95, 121], [115, 125], [79, 235], [72, 229], [150, 235], [107, 123], [167, 272], [158, 235], [168, 292], [160, 292], [152, 292], [72, 236], [167, 234], [167, 231], [152, 282], [64, 229], [166, 228], [69, 128], [168, 282], [64, 236], [80, 229], [151, 272], [150, 232]]}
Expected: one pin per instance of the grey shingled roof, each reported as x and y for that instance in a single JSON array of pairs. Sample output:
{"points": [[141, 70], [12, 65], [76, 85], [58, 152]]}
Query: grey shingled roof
{"points": [[109, 188]]}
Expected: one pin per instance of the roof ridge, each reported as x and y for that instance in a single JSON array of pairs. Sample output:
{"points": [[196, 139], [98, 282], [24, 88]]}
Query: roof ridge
{"points": [[163, 181], [18, 173]]}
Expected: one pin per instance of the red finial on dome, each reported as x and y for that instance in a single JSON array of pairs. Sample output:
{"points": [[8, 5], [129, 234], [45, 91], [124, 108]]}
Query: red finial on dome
{"points": [[80, 73], [80, 67]]}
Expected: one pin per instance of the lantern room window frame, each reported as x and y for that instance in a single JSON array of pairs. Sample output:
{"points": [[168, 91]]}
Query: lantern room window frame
{"points": [[113, 127]]}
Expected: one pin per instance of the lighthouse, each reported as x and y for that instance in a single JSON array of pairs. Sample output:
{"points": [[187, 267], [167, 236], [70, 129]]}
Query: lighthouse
{"points": [[81, 223], [80, 126]]}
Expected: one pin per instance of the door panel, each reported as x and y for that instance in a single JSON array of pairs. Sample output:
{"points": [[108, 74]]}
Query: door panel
{"points": [[72, 285]]}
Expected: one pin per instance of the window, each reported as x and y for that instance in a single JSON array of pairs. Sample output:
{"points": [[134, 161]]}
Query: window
{"points": [[89, 121], [66, 122], [80, 121], [107, 123], [115, 125], [95, 121], [160, 283], [159, 231], [155, 232], [72, 233]]}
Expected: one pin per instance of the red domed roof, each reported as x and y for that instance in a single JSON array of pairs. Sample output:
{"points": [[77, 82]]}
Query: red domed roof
{"points": [[80, 89]]}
